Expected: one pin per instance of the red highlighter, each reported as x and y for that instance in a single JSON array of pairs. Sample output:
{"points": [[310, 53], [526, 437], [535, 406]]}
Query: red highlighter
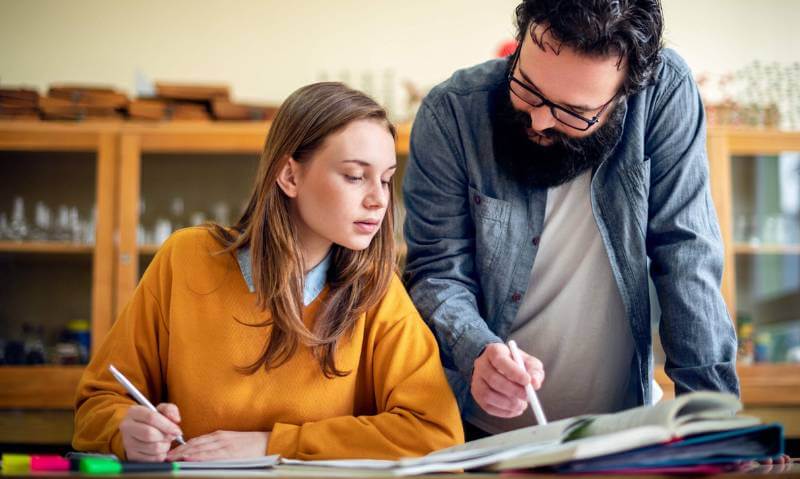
{"points": [[49, 463]]}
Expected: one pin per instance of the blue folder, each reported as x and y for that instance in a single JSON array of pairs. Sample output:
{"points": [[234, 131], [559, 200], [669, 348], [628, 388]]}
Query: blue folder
{"points": [[745, 444]]}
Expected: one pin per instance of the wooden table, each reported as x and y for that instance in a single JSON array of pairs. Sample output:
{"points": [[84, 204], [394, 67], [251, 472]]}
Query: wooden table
{"points": [[785, 471]]}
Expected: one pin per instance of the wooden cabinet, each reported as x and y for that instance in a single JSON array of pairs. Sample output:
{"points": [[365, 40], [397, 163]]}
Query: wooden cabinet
{"points": [[755, 185], [204, 162], [49, 281], [71, 164], [194, 164], [201, 164], [130, 172]]}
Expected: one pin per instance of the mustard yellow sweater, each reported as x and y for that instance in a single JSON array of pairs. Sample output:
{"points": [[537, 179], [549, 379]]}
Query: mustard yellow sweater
{"points": [[178, 340]]}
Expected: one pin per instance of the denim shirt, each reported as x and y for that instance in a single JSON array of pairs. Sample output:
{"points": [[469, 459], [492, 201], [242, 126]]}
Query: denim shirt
{"points": [[472, 231], [312, 285]]}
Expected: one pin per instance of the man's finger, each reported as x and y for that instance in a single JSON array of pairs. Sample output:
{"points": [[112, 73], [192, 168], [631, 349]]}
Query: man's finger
{"points": [[500, 359], [535, 369], [509, 404], [502, 385]]}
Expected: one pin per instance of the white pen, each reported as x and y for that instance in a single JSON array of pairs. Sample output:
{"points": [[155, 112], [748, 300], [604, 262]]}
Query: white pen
{"points": [[532, 398], [137, 395]]}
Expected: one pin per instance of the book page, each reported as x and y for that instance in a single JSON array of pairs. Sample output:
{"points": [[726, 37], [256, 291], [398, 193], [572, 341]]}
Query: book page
{"points": [[254, 463], [551, 433], [667, 414]]}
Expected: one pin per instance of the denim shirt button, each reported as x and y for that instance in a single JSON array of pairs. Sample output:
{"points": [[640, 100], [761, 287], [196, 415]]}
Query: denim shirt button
{"points": [[516, 297], [477, 199], [535, 241]]}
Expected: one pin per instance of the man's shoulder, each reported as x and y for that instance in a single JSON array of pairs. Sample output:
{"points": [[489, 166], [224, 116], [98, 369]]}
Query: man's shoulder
{"points": [[671, 70], [475, 80]]}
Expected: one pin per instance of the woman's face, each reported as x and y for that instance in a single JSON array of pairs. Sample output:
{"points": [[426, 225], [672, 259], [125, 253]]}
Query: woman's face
{"points": [[340, 195]]}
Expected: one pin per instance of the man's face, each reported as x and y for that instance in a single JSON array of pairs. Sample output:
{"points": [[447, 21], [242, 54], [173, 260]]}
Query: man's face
{"points": [[549, 90], [579, 84]]}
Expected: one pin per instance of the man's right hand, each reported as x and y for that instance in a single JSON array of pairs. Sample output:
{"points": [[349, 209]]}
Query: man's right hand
{"points": [[146, 435], [498, 384]]}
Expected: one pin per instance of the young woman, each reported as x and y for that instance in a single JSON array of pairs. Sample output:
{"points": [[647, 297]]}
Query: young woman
{"points": [[288, 333]]}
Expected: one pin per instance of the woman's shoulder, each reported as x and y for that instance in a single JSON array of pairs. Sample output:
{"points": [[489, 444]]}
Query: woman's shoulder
{"points": [[395, 305], [194, 257]]}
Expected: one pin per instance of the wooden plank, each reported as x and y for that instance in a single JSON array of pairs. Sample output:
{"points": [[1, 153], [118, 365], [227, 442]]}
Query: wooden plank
{"points": [[762, 142], [789, 417], [761, 384], [45, 247], [44, 427], [403, 142], [33, 387], [148, 249], [53, 136], [215, 142], [745, 248], [201, 137], [57, 141], [103, 266], [55, 127], [127, 219], [721, 194]]}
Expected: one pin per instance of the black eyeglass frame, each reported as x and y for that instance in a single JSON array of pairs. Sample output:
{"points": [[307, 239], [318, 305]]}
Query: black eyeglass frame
{"points": [[590, 122]]}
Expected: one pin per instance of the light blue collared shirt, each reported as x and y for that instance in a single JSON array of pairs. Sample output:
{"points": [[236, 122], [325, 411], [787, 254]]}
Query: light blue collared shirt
{"points": [[312, 286]]}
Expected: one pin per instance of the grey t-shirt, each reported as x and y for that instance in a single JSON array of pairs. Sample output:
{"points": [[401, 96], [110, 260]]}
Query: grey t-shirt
{"points": [[571, 317]]}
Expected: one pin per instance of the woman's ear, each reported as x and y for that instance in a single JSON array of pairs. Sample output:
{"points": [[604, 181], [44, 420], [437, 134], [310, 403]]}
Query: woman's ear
{"points": [[287, 178]]}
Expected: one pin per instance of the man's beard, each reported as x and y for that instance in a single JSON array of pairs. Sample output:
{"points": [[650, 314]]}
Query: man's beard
{"points": [[561, 161]]}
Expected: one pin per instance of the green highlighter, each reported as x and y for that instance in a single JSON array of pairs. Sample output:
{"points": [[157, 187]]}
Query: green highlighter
{"points": [[111, 466]]}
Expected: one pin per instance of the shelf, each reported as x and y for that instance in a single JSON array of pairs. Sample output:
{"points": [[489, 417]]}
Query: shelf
{"points": [[51, 427], [746, 248], [754, 141], [45, 247], [148, 249], [762, 385], [165, 137], [35, 387]]}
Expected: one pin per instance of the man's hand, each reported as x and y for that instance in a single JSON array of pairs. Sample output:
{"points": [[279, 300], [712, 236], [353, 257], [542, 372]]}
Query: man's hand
{"points": [[147, 436], [222, 445], [498, 384]]}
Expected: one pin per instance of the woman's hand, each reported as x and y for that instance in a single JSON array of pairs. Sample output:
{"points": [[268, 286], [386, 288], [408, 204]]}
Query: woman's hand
{"points": [[222, 445], [147, 436]]}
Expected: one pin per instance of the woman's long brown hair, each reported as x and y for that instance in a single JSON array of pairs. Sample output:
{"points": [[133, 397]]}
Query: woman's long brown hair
{"points": [[356, 280]]}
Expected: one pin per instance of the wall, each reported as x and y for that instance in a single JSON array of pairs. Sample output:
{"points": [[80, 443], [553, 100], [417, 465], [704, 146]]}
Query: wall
{"points": [[265, 49]]}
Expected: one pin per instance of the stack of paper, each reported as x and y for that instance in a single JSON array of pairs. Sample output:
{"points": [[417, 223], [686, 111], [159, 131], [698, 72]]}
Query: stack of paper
{"points": [[698, 432]]}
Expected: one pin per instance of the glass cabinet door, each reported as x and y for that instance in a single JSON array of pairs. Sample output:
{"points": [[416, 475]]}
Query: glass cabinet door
{"points": [[46, 242], [181, 190], [766, 246]]}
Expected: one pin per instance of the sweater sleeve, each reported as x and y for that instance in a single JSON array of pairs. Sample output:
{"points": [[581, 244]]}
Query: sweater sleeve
{"points": [[416, 410], [133, 347]]}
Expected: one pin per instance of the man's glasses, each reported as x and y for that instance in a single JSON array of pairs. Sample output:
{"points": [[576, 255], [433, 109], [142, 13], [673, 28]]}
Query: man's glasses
{"points": [[536, 99]]}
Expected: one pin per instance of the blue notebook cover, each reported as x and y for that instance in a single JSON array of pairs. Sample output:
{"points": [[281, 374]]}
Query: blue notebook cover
{"points": [[745, 444]]}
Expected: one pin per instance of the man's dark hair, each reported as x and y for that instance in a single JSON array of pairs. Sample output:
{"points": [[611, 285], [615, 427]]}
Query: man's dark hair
{"points": [[631, 29]]}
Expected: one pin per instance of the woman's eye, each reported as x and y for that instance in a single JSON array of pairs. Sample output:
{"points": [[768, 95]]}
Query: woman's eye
{"points": [[353, 179]]}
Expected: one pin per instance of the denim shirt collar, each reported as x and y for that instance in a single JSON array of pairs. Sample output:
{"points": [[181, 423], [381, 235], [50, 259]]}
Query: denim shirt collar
{"points": [[312, 286]]}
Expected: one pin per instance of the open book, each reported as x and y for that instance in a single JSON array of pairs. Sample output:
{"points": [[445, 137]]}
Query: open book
{"points": [[697, 415], [696, 429]]}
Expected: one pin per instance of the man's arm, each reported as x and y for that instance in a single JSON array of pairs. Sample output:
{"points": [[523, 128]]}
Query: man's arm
{"points": [[440, 269], [684, 244]]}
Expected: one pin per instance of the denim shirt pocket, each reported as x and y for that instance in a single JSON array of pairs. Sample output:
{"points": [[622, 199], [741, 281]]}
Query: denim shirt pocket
{"points": [[636, 180], [491, 217]]}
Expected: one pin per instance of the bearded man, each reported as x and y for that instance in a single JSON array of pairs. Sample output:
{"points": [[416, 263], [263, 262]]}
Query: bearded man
{"points": [[543, 192]]}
